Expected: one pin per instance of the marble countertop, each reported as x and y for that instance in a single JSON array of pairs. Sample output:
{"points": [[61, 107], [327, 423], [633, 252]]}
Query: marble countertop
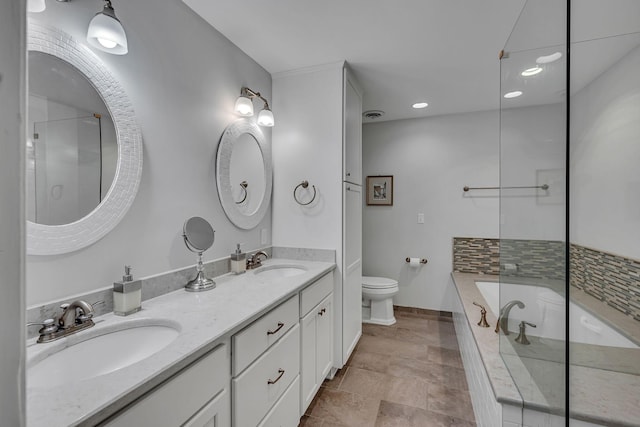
{"points": [[205, 319], [597, 395]]}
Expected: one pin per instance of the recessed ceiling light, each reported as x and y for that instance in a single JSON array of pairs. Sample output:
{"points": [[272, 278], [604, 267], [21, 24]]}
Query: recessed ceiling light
{"points": [[549, 58], [418, 105], [514, 94], [531, 71]]}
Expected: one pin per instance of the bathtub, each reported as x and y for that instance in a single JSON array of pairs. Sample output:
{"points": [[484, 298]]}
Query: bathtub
{"points": [[606, 397], [546, 309]]}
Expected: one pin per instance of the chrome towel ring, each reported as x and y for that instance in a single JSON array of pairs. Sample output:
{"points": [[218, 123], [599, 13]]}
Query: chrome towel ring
{"points": [[243, 185], [304, 184]]}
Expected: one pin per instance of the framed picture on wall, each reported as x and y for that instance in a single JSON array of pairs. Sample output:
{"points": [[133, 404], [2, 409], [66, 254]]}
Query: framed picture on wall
{"points": [[380, 190]]}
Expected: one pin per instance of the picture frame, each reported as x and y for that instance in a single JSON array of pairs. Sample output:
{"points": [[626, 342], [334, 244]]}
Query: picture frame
{"points": [[380, 190]]}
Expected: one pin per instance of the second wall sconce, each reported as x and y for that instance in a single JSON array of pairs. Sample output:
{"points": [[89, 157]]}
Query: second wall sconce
{"points": [[106, 33], [244, 107]]}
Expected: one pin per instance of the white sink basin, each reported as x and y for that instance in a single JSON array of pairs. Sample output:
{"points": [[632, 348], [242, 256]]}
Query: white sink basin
{"points": [[271, 272], [92, 352]]}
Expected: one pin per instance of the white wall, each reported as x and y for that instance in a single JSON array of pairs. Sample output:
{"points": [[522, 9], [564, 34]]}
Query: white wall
{"points": [[307, 145], [605, 175], [431, 160], [182, 77], [12, 127]]}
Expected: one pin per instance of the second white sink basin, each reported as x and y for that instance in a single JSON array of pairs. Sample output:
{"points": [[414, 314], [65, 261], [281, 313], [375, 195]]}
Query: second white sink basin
{"points": [[90, 353], [271, 272]]}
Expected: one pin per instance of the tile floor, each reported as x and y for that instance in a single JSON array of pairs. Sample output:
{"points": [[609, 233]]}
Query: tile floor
{"points": [[406, 375]]}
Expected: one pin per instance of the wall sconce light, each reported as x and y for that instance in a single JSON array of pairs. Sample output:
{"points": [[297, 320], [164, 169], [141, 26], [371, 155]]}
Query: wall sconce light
{"points": [[106, 33], [244, 107], [35, 6]]}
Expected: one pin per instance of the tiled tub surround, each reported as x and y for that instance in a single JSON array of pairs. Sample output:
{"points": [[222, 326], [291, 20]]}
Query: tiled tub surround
{"points": [[204, 318], [610, 278], [542, 259], [598, 396], [163, 283]]}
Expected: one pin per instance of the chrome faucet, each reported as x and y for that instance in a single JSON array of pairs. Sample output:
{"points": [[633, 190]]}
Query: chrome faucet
{"points": [[75, 317], [503, 318], [72, 317], [254, 260]]}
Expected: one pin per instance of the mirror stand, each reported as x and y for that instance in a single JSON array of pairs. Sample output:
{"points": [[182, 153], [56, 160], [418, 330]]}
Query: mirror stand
{"points": [[198, 237], [200, 282]]}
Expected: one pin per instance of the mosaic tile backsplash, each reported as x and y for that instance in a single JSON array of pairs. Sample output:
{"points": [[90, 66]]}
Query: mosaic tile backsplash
{"points": [[476, 255], [612, 279], [540, 259]]}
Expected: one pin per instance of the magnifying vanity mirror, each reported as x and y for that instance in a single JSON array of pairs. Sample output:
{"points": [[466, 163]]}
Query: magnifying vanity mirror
{"points": [[198, 237], [244, 174], [84, 148]]}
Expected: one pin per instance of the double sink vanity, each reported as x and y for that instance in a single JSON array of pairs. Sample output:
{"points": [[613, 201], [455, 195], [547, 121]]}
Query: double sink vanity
{"points": [[253, 351]]}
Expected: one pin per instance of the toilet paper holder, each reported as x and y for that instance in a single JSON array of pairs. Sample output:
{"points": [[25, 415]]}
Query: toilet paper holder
{"points": [[422, 260]]}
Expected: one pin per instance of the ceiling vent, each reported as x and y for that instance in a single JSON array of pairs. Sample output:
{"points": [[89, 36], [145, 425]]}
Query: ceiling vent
{"points": [[373, 114]]}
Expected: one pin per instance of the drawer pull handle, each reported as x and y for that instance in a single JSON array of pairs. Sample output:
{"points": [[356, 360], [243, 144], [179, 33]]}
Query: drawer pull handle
{"points": [[321, 312], [281, 372], [280, 325]]}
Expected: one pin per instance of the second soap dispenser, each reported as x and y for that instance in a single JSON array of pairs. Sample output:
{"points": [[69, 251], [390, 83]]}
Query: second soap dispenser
{"points": [[127, 294], [238, 261]]}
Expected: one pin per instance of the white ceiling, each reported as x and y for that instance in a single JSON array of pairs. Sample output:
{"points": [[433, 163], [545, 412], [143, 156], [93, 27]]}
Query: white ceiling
{"points": [[444, 52]]}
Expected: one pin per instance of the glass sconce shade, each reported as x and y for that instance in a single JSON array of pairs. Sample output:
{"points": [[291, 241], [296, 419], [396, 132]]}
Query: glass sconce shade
{"points": [[106, 32], [244, 106], [35, 6], [265, 118]]}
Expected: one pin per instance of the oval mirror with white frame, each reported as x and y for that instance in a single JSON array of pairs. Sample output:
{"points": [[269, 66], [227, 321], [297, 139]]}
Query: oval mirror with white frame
{"points": [[92, 134], [244, 174]]}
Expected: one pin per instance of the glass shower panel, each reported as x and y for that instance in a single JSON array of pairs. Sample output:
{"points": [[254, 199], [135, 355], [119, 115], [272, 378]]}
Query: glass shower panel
{"points": [[66, 169], [604, 356], [533, 209]]}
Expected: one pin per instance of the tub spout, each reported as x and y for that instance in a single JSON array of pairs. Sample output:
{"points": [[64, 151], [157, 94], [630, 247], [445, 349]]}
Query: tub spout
{"points": [[503, 318]]}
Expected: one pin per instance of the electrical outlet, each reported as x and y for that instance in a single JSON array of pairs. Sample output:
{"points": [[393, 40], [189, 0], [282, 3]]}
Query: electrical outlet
{"points": [[420, 218]]}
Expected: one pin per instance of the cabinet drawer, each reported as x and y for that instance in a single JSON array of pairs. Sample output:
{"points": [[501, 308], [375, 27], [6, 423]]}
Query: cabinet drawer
{"points": [[253, 396], [312, 295], [285, 412], [179, 398], [253, 340]]}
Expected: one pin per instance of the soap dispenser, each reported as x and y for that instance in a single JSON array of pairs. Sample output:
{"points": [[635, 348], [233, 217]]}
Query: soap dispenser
{"points": [[127, 294], [238, 261]]}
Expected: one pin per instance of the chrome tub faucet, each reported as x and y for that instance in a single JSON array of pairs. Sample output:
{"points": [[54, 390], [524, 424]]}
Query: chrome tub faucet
{"points": [[503, 318]]}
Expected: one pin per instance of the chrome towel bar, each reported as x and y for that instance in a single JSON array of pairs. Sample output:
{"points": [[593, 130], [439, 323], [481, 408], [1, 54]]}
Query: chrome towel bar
{"points": [[542, 187]]}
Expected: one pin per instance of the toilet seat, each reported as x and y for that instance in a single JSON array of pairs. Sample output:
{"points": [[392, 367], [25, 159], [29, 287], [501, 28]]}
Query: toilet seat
{"points": [[369, 282]]}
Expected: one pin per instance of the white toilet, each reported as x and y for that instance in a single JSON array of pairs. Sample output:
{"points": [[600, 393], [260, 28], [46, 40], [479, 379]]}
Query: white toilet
{"points": [[377, 300]]}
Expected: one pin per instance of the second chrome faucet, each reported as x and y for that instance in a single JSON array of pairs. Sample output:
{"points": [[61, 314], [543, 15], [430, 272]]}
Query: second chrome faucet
{"points": [[254, 261]]}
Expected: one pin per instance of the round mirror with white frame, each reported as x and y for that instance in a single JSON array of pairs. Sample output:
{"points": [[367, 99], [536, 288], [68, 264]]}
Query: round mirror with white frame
{"points": [[120, 189], [244, 173]]}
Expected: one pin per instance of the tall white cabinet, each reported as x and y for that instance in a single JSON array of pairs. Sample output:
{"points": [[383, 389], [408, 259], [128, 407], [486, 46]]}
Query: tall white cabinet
{"points": [[318, 138], [351, 215]]}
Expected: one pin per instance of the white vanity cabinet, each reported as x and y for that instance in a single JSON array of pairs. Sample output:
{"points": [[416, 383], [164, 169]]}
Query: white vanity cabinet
{"points": [[266, 367], [198, 396], [316, 323]]}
